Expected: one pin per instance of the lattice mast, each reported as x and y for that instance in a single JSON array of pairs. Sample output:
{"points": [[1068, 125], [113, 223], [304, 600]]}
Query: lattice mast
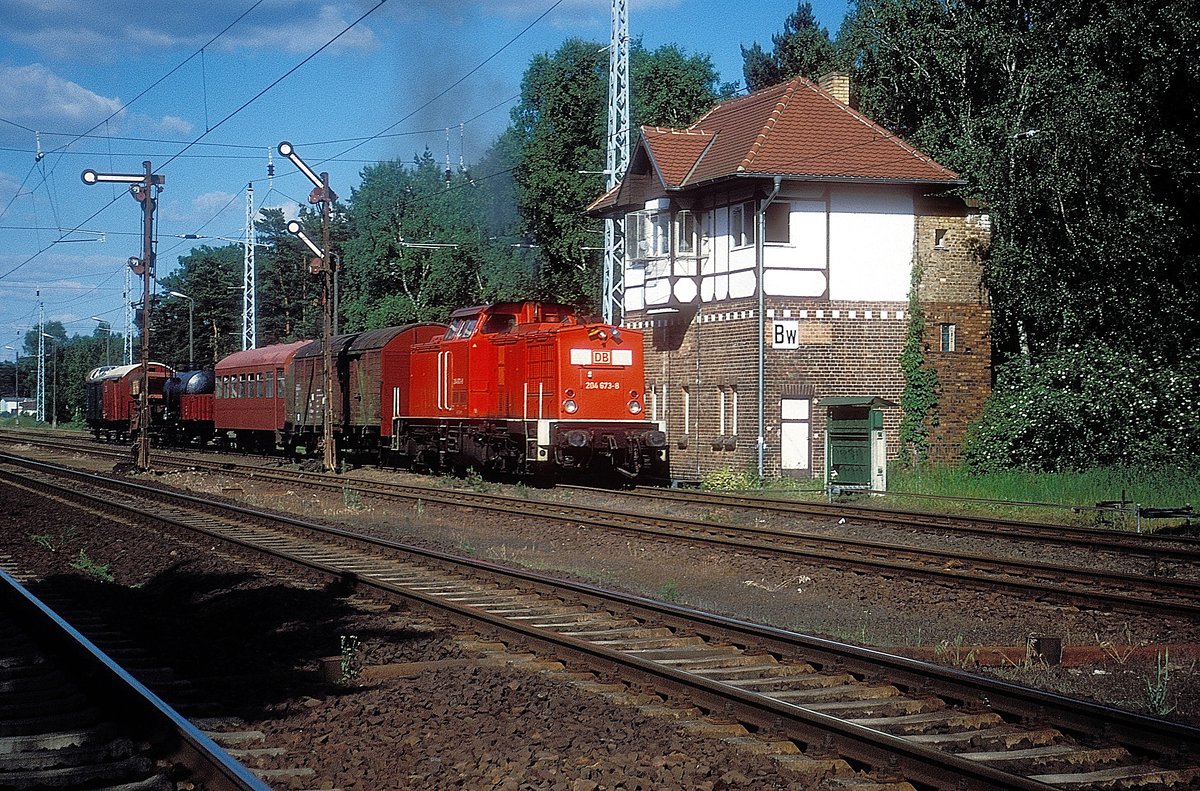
{"points": [[613, 289], [249, 318], [41, 377], [128, 351]]}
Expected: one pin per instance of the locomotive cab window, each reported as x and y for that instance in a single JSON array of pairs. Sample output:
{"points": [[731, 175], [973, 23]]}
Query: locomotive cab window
{"points": [[452, 330], [468, 327], [499, 324]]}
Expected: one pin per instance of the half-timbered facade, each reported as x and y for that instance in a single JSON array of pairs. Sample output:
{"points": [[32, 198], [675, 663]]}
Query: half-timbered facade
{"points": [[770, 253]]}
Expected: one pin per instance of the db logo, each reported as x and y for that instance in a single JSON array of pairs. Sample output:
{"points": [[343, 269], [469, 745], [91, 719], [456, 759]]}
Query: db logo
{"points": [[601, 357]]}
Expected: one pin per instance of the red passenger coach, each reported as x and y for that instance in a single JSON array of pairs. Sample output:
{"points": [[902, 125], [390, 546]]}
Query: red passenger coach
{"points": [[113, 393], [528, 387], [249, 403]]}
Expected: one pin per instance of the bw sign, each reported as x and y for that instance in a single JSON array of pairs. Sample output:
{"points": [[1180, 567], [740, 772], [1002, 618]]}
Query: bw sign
{"points": [[785, 334]]}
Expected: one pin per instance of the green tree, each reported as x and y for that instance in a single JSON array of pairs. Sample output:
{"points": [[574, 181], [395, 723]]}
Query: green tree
{"points": [[1067, 122], [212, 278], [802, 49], [560, 127], [417, 244], [287, 294]]}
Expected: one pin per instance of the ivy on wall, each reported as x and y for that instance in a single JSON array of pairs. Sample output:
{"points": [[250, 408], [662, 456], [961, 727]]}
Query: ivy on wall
{"points": [[919, 401]]}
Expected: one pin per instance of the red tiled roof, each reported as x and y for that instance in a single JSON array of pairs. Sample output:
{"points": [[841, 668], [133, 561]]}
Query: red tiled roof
{"points": [[793, 129], [675, 152]]}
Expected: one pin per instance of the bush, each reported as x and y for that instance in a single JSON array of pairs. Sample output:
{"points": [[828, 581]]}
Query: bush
{"points": [[729, 480], [1089, 406]]}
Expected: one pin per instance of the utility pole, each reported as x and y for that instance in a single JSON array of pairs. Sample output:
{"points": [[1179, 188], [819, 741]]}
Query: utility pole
{"points": [[617, 145], [323, 265], [143, 187]]}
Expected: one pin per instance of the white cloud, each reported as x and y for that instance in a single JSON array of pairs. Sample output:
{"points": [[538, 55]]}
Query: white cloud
{"points": [[173, 124], [37, 98], [73, 30]]}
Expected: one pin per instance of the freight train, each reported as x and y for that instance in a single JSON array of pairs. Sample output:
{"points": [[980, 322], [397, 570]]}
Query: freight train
{"points": [[518, 388]]}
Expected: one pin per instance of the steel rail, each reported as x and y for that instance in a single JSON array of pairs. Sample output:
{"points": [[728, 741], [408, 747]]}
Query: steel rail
{"points": [[1144, 732], [1026, 577], [156, 722]]}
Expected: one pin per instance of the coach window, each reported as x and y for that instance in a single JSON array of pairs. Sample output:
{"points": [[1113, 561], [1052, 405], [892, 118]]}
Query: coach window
{"points": [[269, 381], [258, 384], [279, 382]]}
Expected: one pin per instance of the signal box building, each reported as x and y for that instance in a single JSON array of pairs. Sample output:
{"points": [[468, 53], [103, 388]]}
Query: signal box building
{"points": [[778, 240]]}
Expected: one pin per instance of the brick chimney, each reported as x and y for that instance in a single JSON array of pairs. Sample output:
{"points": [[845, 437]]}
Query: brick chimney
{"points": [[836, 83]]}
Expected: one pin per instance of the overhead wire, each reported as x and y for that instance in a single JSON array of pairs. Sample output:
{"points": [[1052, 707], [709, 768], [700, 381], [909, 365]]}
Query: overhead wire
{"points": [[242, 107]]}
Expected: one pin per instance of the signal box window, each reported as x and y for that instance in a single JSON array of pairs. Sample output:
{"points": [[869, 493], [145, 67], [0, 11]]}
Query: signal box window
{"points": [[779, 221], [948, 331], [741, 224]]}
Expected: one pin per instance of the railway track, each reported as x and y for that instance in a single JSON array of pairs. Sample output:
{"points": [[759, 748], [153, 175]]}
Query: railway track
{"points": [[818, 707], [1183, 549], [1165, 593], [71, 718]]}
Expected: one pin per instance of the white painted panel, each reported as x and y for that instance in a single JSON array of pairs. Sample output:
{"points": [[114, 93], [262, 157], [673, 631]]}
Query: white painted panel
{"points": [[685, 290], [870, 243], [714, 288], [794, 434], [622, 357], [793, 446], [658, 291], [581, 357], [808, 232], [794, 283], [794, 408], [634, 299], [742, 259], [741, 284], [635, 276]]}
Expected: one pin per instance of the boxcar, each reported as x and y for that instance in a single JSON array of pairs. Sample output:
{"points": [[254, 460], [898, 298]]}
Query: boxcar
{"points": [[371, 379], [249, 404]]}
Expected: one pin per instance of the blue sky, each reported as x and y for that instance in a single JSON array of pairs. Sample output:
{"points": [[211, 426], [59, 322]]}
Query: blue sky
{"points": [[152, 77]]}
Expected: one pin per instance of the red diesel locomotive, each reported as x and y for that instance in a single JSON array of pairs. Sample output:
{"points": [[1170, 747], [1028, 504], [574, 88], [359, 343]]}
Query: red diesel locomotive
{"points": [[529, 388]]}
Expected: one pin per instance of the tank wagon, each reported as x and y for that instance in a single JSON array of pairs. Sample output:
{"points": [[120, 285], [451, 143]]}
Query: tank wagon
{"points": [[187, 416]]}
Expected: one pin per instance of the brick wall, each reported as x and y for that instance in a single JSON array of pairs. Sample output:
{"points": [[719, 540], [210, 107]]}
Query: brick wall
{"points": [[844, 348]]}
